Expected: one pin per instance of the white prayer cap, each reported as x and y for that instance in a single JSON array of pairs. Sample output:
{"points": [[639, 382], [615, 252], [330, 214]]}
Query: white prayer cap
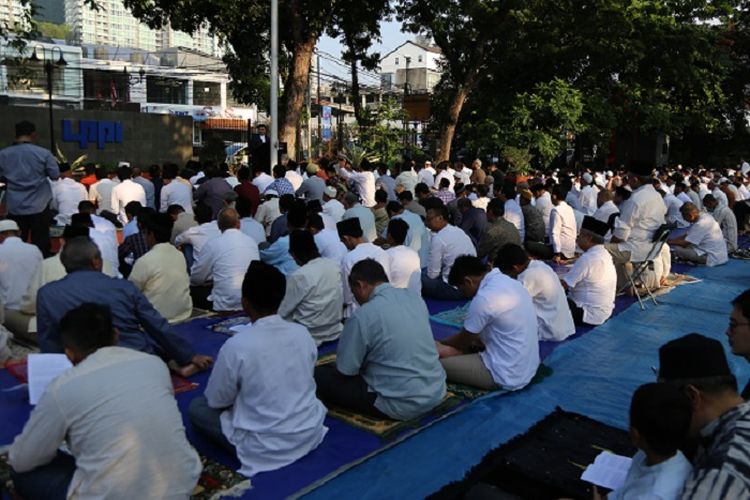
{"points": [[610, 174], [730, 172], [8, 225], [587, 178], [330, 191], [123, 164]]}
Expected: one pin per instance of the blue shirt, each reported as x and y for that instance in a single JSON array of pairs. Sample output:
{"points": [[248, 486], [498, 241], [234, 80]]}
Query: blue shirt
{"points": [[396, 358], [26, 167], [138, 324], [277, 255]]}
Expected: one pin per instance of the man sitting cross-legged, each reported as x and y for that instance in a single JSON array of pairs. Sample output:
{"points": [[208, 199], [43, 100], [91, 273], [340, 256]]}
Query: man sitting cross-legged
{"points": [[116, 411], [498, 345], [592, 281], [704, 242], [138, 324], [260, 399], [314, 292], [386, 364], [552, 311]]}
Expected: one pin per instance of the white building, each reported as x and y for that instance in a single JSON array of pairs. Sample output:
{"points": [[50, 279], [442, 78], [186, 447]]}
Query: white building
{"points": [[414, 63], [11, 12], [113, 25]]}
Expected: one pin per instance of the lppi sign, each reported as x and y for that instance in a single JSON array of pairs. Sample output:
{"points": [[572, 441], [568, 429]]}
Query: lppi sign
{"points": [[99, 132]]}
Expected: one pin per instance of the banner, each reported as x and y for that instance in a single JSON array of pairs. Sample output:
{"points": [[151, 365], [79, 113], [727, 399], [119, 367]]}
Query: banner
{"points": [[326, 123]]}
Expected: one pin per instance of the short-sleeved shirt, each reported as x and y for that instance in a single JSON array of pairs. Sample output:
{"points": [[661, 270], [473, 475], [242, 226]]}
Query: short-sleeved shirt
{"points": [[706, 236], [552, 312], [26, 168], [502, 314], [396, 358], [663, 481], [592, 283]]}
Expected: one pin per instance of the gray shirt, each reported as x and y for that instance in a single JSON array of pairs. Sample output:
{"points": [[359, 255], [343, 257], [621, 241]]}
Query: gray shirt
{"points": [[397, 358], [26, 167], [147, 186], [312, 188]]}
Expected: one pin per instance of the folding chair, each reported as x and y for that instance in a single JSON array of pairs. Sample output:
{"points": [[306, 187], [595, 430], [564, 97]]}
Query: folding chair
{"points": [[660, 238]]}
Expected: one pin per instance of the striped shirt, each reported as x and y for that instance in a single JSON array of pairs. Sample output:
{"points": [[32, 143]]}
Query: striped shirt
{"points": [[722, 464]]}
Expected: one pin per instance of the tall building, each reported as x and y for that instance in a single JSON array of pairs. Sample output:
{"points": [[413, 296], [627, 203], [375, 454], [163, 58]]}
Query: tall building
{"points": [[10, 13], [113, 25]]}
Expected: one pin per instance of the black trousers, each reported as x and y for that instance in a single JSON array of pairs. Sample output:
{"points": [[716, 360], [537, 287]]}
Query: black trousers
{"points": [[38, 226], [350, 393], [741, 211], [577, 313]]}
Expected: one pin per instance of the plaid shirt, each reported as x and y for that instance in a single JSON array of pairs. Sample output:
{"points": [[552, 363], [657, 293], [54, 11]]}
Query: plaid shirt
{"points": [[722, 463], [281, 186], [445, 195], [134, 245]]}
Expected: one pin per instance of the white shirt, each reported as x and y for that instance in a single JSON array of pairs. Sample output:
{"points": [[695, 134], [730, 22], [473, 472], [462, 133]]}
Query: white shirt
{"points": [[407, 180], [663, 481], [554, 320], [104, 226], [262, 181], [117, 413], [66, 195], [198, 236], [294, 179], [263, 376], [721, 197], [604, 212], [334, 209], [18, 261], [267, 212], [707, 239], [223, 261], [366, 221], [426, 176], [161, 274], [514, 215], [314, 299], [745, 168], [563, 229], [124, 193], [448, 244], [592, 284], [544, 204], [674, 216], [194, 179], [503, 316], [587, 200], [107, 245], [100, 193], [176, 193], [360, 252], [406, 271], [254, 229], [330, 246], [364, 183], [685, 198], [418, 238], [728, 224], [444, 174], [640, 216]]}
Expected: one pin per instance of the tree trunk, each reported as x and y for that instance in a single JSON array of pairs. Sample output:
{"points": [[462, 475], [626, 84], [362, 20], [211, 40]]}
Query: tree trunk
{"points": [[448, 130], [293, 98], [356, 97]]}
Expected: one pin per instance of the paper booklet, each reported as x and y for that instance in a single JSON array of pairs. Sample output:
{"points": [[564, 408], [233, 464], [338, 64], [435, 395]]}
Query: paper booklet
{"points": [[43, 369], [608, 470]]}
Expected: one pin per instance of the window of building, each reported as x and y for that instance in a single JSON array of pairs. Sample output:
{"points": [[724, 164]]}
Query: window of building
{"points": [[29, 77], [109, 86], [206, 93], [397, 61], [386, 80], [419, 58], [166, 90]]}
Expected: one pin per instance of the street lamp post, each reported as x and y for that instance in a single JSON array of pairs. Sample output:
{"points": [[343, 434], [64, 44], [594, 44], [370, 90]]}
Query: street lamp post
{"points": [[48, 68]]}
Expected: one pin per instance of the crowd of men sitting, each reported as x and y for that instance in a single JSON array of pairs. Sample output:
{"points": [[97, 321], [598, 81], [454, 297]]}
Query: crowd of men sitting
{"points": [[313, 253]]}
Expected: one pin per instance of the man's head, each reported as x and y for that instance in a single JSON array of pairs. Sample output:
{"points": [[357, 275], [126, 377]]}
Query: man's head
{"points": [[697, 365], [437, 217], [263, 290], [350, 199], [170, 172], [86, 329], [738, 331], [621, 195], [464, 205], [329, 193], [136, 171], [203, 213], [365, 276], [228, 218], [86, 207], [8, 228], [405, 197], [279, 171], [639, 174], [262, 130], [495, 210], [124, 173], [315, 223], [659, 418], [81, 254], [690, 212], [302, 247], [466, 274], [25, 130], [65, 170], [603, 197], [132, 209], [71, 232], [592, 233], [381, 198], [175, 210], [558, 194], [158, 229], [512, 260], [397, 231], [296, 216], [394, 208], [422, 191], [350, 232], [710, 202]]}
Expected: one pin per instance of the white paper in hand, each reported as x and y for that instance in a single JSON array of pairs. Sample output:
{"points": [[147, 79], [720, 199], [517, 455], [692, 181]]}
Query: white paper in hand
{"points": [[608, 470], [43, 369]]}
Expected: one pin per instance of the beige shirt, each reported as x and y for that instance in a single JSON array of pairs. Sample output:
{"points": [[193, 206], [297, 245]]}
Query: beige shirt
{"points": [[116, 411], [161, 274]]}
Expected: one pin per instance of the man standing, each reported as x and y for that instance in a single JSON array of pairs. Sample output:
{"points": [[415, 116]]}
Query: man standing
{"points": [[721, 418], [386, 367], [116, 411], [125, 192], [498, 345], [26, 167], [66, 195], [147, 186], [174, 192]]}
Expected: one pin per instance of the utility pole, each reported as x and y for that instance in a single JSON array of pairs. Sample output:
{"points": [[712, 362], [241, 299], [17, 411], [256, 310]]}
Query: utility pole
{"points": [[320, 106], [274, 82], [48, 70]]}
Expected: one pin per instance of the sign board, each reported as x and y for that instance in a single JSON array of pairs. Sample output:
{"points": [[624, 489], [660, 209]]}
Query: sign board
{"points": [[326, 123], [99, 132]]}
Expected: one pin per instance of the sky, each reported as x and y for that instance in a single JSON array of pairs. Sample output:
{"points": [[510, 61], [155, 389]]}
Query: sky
{"points": [[392, 37]]}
